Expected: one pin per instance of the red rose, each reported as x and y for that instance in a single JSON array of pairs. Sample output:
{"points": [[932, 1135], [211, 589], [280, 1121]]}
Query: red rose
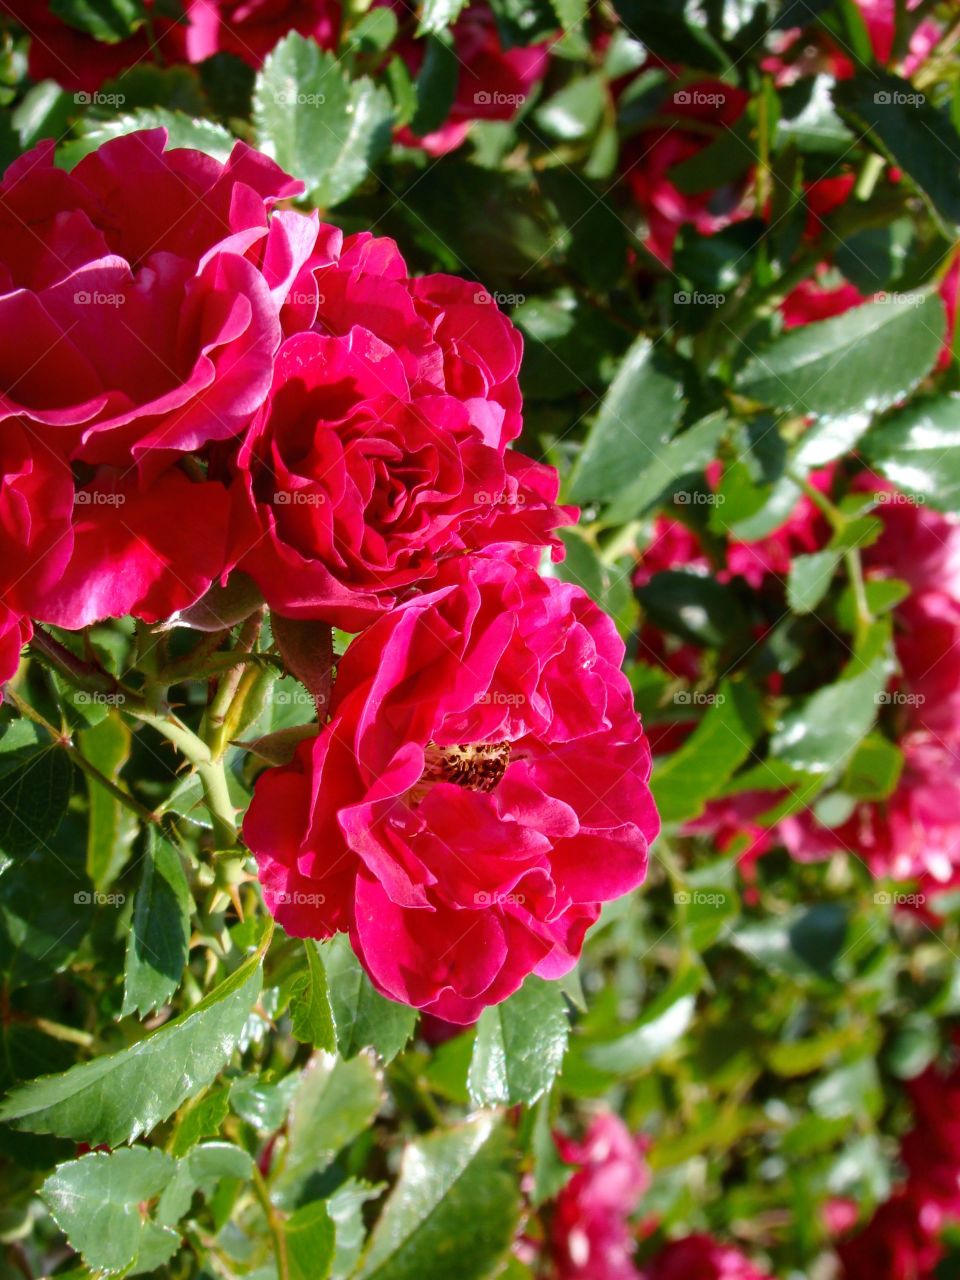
{"points": [[480, 789], [250, 28], [352, 488], [700, 1257], [136, 320]]}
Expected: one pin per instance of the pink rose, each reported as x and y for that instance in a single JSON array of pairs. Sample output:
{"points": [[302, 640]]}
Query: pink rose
{"points": [[590, 1234], [137, 319], [147, 548], [354, 487], [700, 1257], [480, 789], [492, 83], [77, 61], [448, 334], [36, 505]]}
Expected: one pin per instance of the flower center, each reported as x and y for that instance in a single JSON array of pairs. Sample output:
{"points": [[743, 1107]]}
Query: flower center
{"points": [[479, 766]]}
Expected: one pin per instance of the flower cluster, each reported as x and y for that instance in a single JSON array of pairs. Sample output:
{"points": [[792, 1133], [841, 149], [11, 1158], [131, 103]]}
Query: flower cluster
{"points": [[493, 82], [590, 1233], [198, 383], [913, 832], [902, 1239]]}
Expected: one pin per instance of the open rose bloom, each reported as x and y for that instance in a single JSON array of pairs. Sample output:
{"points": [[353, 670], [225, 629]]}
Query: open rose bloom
{"points": [[479, 791]]}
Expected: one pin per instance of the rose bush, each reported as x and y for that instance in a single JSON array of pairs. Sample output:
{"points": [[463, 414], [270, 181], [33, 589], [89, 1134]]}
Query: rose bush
{"points": [[479, 640]]}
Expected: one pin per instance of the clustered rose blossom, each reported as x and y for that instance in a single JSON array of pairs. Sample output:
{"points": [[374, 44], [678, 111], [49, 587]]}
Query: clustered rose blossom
{"points": [[196, 382], [902, 1239], [914, 832], [590, 1235], [479, 790], [493, 83]]}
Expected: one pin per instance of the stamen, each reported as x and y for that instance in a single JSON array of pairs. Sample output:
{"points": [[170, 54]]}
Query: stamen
{"points": [[478, 766]]}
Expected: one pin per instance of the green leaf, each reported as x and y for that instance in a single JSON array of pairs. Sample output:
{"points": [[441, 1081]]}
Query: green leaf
{"points": [[860, 362], [362, 1016], [824, 730], [637, 417], [722, 740], [310, 1011], [810, 577], [653, 1035], [183, 131], [695, 606], [919, 450], [96, 1203], [107, 20], [158, 941], [436, 84], [35, 780], [318, 123], [519, 1046], [688, 452], [453, 1209], [43, 921], [574, 111], [112, 827], [200, 1170], [334, 1102], [115, 1098], [309, 1234], [874, 769], [912, 134], [437, 14], [346, 1210], [570, 12], [200, 1118]]}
